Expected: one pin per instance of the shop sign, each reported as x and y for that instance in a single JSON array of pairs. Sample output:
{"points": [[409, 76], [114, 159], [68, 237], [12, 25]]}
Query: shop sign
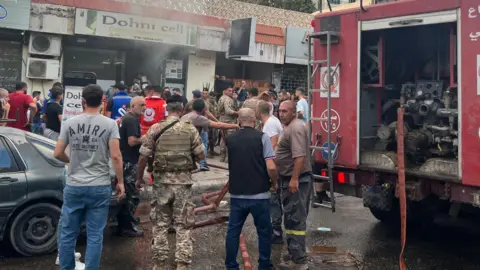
{"points": [[15, 14], [127, 26], [297, 46], [72, 102]]}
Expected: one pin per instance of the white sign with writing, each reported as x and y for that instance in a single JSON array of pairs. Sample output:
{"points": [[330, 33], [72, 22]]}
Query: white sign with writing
{"points": [[478, 74], [174, 69], [72, 102], [474, 13], [127, 26], [335, 87]]}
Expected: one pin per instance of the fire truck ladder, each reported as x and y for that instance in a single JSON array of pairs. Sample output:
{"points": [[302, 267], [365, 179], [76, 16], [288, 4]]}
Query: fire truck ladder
{"points": [[327, 38]]}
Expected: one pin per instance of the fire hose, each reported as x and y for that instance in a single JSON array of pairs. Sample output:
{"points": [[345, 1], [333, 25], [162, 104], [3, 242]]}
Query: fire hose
{"points": [[212, 206], [401, 184]]}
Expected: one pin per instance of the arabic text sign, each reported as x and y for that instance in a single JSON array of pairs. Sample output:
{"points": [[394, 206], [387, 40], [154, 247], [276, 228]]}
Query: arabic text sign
{"points": [[478, 74], [72, 102], [474, 14], [127, 26]]}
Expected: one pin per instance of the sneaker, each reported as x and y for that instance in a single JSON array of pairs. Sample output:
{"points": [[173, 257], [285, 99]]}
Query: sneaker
{"points": [[292, 266], [205, 169], [317, 202], [131, 233], [79, 265], [78, 255]]}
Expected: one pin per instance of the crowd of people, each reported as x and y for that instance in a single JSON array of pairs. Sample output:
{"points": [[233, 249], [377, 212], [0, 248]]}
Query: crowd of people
{"points": [[262, 136]]}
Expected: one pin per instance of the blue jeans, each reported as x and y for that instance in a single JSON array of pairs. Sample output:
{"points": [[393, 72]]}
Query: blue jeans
{"points": [[204, 136], [239, 210], [83, 203]]}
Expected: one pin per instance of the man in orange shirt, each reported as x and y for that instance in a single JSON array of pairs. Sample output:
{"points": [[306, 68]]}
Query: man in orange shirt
{"points": [[155, 108], [20, 102]]}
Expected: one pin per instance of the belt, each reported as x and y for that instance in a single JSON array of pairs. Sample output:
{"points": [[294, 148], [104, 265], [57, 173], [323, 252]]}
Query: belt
{"points": [[305, 174], [171, 171]]}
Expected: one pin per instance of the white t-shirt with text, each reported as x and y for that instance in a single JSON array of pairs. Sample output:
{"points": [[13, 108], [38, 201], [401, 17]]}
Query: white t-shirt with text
{"points": [[273, 127]]}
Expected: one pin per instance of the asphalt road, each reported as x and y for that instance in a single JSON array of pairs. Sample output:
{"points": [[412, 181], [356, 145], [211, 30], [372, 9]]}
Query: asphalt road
{"points": [[356, 241]]}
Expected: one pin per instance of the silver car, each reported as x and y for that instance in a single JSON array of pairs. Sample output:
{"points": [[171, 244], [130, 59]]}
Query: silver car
{"points": [[31, 187]]}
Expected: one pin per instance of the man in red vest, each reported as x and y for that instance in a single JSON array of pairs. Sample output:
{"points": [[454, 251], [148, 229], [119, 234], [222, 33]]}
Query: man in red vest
{"points": [[155, 108]]}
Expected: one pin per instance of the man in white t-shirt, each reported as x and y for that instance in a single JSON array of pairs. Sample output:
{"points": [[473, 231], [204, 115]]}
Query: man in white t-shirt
{"points": [[303, 110], [274, 129]]}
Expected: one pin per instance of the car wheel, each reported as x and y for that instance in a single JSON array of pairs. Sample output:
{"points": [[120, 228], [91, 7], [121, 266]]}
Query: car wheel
{"points": [[34, 229]]}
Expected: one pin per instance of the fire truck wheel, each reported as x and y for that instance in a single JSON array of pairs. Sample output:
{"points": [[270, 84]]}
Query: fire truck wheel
{"points": [[388, 217]]}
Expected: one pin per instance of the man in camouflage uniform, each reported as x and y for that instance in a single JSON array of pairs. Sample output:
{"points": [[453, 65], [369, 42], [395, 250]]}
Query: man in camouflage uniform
{"points": [[252, 103], [211, 104], [228, 114], [173, 145]]}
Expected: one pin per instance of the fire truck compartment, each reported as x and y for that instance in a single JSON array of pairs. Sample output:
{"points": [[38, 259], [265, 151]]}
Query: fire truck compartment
{"points": [[415, 67]]}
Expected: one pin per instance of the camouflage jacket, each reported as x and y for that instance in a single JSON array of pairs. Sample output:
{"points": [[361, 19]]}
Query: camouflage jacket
{"points": [[150, 146], [252, 103], [226, 110], [212, 106]]}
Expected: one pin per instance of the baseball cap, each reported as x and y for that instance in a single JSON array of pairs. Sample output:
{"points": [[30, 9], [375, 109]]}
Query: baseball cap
{"points": [[120, 86], [175, 98], [197, 94]]}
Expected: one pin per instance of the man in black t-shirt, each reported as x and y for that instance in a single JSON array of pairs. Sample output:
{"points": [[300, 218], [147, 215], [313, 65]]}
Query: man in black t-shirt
{"points": [[130, 142], [53, 114]]}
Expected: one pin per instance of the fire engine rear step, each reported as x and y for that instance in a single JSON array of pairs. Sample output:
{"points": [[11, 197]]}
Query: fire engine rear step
{"points": [[326, 38]]}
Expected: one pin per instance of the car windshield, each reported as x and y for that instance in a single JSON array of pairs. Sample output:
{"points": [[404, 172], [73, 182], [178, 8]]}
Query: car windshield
{"points": [[46, 149]]}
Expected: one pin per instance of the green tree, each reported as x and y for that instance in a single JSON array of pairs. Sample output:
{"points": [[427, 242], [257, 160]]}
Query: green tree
{"points": [[306, 6]]}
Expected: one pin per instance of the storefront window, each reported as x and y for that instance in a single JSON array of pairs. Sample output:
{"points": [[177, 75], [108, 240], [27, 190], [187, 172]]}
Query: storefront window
{"points": [[10, 64], [106, 64]]}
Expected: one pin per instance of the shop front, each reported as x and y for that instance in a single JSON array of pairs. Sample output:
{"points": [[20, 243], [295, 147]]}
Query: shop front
{"points": [[14, 20], [123, 47], [253, 62], [293, 73]]}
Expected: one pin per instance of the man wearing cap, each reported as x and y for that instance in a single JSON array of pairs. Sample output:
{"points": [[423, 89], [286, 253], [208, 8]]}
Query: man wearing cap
{"points": [[117, 106], [174, 145]]}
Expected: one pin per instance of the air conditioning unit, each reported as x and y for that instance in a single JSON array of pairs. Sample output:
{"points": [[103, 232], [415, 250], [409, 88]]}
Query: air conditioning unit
{"points": [[45, 44], [46, 69]]}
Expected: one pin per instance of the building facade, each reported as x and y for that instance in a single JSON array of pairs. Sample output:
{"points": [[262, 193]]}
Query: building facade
{"points": [[179, 43]]}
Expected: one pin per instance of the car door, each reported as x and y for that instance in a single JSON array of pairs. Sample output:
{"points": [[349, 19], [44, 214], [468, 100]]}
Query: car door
{"points": [[13, 185]]}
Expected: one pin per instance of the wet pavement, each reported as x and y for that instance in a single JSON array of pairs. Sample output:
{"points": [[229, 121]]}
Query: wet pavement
{"points": [[356, 241]]}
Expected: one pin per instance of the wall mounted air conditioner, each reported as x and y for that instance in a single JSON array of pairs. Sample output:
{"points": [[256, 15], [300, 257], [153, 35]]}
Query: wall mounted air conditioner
{"points": [[45, 44], [46, 69]]}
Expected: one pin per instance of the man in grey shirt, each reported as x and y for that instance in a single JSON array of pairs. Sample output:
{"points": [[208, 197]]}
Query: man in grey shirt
{"points": [[92, 137]]}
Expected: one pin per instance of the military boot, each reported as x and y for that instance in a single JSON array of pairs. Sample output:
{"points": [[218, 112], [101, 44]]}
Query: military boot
{"points": [[289, 265], [223, 157], [160, 265], [183, 266]]}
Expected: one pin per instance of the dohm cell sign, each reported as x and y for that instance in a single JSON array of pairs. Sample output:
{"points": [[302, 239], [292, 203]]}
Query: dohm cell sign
{"points": [[72, 102]]}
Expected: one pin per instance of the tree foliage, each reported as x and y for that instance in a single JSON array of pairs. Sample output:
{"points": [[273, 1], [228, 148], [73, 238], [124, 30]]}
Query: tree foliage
{"points": [[306, 6]]}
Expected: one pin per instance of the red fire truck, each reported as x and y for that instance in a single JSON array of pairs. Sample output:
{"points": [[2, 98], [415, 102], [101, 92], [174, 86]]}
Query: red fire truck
{"points": [[396, 91]]}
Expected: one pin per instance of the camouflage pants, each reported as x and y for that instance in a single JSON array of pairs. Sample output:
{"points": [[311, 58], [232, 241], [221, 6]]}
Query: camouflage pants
{"points": [[212, 138], [172, 203], [223, 145], [126, 214]]}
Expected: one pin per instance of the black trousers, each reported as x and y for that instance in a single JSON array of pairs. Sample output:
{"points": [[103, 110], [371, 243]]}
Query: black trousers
{"points": [[126, 214]]}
